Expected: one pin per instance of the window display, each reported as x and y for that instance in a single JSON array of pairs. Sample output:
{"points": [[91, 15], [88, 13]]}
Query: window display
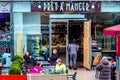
{"points": [[59, 30], [34, 44]]}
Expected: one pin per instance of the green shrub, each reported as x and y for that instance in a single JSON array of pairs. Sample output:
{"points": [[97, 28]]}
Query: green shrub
{"points": [[19, 61], [16, 64], [14, 70], [17, 57]]}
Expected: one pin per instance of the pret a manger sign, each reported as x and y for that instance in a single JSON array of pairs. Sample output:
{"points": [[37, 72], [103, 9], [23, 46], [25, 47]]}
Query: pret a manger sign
{"points": [[65, 6]]}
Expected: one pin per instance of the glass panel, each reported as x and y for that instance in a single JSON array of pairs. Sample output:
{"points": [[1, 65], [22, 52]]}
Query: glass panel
{"points": [[34, 44], [59, 30], [5, 36]]}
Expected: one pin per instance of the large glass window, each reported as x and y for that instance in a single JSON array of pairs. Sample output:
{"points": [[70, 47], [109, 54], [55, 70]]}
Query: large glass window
{"points": [[34, 44], [5, 45]]}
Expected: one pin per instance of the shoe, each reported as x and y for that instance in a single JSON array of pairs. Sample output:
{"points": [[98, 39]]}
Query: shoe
{"points": [[70, 67], [75, 68]]}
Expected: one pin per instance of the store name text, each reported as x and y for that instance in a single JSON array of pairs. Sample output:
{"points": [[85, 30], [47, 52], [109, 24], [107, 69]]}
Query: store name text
{"points": [[64, 6]]}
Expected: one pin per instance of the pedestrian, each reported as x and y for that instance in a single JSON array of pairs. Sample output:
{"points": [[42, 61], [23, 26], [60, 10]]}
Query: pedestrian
{"points": [[73, 48], [96, 61], [104, 67]]}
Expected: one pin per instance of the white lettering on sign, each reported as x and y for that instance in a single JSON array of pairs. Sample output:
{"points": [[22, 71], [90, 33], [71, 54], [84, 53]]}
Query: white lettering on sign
{"points": [[78, 6], [63, 6]]}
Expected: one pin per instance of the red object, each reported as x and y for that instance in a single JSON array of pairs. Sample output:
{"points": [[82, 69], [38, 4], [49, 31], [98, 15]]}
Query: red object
{"points": [[112, 30], [13, 77], [118, 45], [112, 60]]}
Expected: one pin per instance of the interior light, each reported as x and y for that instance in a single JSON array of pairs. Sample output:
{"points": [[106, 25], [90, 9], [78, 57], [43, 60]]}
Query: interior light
{"points": [[93, 6], [39, 6]]}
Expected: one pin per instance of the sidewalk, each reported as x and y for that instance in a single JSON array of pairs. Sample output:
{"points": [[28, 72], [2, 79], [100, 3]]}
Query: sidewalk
{"points": [[83, 74]]}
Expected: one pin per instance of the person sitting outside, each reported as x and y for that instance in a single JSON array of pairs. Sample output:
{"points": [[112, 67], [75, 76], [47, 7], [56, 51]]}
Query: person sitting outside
{"points": [[60, 67], [54, 57], [37, 68], [28, 59]]}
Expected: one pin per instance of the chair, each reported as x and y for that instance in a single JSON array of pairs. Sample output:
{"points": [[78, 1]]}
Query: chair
{"points": [[72, 76]]}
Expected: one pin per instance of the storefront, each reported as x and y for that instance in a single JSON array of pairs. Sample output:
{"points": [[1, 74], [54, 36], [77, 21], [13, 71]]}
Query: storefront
{"points": [[5, 35], [39, 23]]}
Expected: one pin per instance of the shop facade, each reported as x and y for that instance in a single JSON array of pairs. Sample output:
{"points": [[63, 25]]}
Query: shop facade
{"points": [[55, 23]]}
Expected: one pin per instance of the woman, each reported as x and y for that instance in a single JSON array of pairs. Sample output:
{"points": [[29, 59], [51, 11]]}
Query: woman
{"points": [[104, 67], [38, 68], [60, 67]]}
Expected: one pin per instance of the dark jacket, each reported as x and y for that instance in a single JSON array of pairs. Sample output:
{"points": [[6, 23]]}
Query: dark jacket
{"points": [[27, 59], [105, 68], [53, 58]]}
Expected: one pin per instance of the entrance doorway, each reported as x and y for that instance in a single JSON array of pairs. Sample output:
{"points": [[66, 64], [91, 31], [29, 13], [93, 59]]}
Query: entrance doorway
{"points": [[76, 30], [62, 31]]}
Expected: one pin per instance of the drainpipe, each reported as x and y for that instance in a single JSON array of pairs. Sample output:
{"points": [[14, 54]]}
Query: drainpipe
{"points": [[12, 28]]}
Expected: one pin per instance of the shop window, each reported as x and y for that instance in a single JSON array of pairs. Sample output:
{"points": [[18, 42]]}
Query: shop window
{"points": [[104, 41], [5, 43], [34, 44]]}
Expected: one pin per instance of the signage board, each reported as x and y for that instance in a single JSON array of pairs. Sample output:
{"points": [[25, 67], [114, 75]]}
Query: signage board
{"points": [[65, 6]]}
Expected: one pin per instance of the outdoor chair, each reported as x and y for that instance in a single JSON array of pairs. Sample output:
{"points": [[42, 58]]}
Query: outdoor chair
{"points": [[72, 76]]}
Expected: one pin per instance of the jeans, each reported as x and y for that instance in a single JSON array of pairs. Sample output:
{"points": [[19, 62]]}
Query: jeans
{"points": [[73, 58]]}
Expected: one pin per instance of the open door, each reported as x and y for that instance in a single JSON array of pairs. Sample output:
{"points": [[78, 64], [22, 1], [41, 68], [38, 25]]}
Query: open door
{"points": [[87, 44]]}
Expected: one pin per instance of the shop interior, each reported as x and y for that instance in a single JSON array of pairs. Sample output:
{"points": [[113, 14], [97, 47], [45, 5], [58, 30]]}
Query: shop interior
{"points": [[76, 30]]}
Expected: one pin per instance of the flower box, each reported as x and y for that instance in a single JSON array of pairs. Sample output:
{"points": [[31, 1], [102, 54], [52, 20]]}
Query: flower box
{"points": [[47, 76]]}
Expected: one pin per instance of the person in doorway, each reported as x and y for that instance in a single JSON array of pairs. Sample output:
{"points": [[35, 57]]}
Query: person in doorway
{"points": [[104, 67], [73, 48], [60, 67], [54, 57]]}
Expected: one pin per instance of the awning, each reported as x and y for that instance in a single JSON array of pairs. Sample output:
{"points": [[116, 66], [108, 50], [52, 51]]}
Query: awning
{"points": [[113, 30]]}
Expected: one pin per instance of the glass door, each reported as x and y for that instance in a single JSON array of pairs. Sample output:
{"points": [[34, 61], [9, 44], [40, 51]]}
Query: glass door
{"points": [[59, 36]]}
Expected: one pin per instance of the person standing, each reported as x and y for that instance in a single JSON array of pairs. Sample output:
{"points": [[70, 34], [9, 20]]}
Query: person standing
{"points": [[73, 48], [104, 67]]}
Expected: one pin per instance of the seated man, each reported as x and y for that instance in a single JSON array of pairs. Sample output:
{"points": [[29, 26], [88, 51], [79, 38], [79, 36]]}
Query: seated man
{"points": [[60, 67]]}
